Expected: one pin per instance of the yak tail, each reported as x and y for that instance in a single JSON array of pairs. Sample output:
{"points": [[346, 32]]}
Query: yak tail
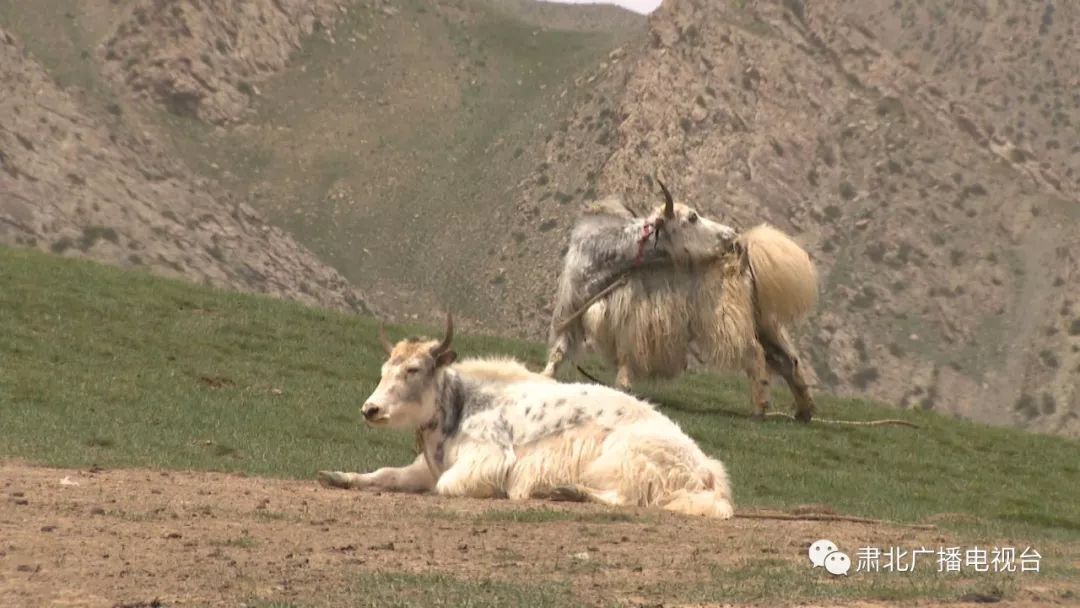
{"points": [[785, 280]]}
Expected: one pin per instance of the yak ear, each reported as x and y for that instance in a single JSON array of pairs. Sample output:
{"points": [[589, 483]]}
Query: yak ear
{"points": [[445, 358]]}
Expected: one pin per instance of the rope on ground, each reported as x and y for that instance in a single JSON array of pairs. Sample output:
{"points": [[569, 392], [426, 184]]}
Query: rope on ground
{"points": [[831, 517], [881, 422]]}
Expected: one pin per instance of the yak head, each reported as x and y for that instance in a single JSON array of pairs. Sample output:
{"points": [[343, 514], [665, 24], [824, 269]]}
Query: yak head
{"points": [[407, 390], [686, 234]]}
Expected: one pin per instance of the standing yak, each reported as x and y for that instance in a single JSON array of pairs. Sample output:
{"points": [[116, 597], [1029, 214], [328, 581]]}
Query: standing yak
{"points": [[727, 299]]}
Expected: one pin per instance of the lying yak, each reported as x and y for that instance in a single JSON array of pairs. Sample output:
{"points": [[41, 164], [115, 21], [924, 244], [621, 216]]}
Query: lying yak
{"points": [[492, 428], [729, 308]]}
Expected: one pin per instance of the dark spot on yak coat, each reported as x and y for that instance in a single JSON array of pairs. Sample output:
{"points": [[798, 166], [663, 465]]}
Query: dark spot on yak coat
{"points": [[502, 432], [451, 406], [579, 413]]}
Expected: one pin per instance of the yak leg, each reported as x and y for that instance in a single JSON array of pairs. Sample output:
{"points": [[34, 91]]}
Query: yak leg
{"points": [[555, 359], [757, 371], [579, 493], [416, 477], [480, 471], [567, 493], [782, 358], [624, 377], [556, 355]]}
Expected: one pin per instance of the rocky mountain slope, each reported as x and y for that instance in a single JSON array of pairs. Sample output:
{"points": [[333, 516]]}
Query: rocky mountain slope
{"points": [[76, 183], [393, 139], [1007, 69], [204, 59], [949, 251]]}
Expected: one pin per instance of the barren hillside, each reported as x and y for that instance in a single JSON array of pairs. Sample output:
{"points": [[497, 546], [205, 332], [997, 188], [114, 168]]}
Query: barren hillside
{"points": [[76, 182], [204, 60], [393, 138], [387, 137], [1007, 68]]}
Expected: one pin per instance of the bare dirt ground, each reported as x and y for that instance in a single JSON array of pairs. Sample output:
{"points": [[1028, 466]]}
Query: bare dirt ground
{"points": [[144, 538]]}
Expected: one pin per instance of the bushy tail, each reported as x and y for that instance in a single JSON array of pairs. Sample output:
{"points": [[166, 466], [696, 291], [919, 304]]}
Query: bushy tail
{"points": [[785, 280]]}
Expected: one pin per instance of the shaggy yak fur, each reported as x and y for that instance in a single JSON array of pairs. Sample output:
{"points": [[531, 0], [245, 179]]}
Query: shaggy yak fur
{"points": [[608, 241], [729, 311], [493, 429]]}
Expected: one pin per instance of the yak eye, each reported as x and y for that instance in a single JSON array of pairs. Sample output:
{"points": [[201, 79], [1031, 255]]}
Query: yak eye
{"points": [[693, 218], [412, 370]]}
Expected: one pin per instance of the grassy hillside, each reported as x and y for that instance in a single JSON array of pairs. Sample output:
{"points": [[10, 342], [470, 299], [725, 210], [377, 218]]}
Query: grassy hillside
{"points": [[102, 367], [82, 178], [413, 117], [423, 123]]}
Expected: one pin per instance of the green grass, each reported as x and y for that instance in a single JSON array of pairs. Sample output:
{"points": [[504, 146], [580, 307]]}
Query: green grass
{"points": [[114, 368], [1010, 480], [121, 369], [379, 590]]}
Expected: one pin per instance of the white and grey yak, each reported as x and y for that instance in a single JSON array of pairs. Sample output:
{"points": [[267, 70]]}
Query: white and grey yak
{"points": [[609, 241], [493, 429], [729, 307]]}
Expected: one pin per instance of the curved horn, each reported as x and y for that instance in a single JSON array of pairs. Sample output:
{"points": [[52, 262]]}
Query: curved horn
{"points": [[669, 203], [445, 345], [387, 346]]}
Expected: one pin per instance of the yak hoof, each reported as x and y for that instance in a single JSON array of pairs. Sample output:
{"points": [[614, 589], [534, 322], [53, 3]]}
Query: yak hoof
{"points": [[804, 416], [758, 416], [333, 479], [567, 494]]}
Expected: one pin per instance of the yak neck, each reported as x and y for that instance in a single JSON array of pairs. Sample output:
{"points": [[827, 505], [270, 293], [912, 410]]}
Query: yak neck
{"points": [[450, 402]]}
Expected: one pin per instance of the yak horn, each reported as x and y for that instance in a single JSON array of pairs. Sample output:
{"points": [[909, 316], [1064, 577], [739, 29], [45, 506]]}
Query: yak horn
{"points": [[387, 346], [445, 345], [669, 203]]}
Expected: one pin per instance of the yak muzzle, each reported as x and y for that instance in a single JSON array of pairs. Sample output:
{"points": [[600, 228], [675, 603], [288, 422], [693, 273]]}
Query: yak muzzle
{"points": [[373, 413]]}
